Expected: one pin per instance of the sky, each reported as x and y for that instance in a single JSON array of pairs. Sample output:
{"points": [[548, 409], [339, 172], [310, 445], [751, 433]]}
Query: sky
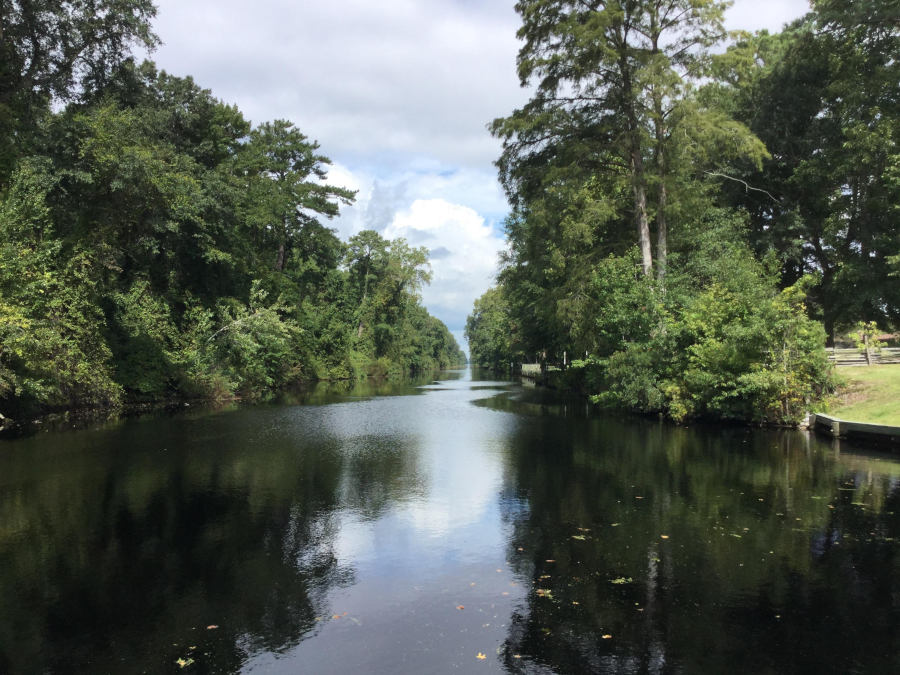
{"points": [[398, 93]]}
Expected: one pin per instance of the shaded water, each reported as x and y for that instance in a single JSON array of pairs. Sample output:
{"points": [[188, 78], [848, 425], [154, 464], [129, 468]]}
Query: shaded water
{"points": [[342, 532]]}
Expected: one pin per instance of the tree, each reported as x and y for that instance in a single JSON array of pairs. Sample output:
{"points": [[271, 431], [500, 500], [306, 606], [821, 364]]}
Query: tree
{"points": [[56, 50], [612, 81], [288, 190], [822, 96], [488, 331]]}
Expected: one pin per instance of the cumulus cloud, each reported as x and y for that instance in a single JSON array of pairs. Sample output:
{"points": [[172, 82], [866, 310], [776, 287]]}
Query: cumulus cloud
{"points": [[464, 253]]}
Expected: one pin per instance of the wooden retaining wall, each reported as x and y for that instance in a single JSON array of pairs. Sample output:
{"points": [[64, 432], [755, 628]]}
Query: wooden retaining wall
{"points": [[854, 357], [531, 370]]}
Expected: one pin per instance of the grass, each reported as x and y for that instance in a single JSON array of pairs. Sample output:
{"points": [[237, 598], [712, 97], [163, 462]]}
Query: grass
{"points": [[872, 395]]}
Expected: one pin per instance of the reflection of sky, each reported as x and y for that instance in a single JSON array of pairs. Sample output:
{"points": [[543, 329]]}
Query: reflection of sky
{"points": [[428, 551], [457, 515]]}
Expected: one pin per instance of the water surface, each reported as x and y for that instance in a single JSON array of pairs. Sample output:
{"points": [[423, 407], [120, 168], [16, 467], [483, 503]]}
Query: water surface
{"points": [[412, 528]]}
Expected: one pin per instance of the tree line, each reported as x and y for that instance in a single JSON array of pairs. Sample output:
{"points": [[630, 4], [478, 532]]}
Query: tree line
{"points": [[697, 212], [154, 243]]}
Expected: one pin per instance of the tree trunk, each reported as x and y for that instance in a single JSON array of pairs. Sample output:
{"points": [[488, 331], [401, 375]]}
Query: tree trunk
{"points": [[868, 352], [662, 251], [662, 244], [279, 261], [640, 211]]}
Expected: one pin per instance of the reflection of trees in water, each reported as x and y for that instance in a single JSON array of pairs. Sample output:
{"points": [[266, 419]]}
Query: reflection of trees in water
{"points": [[706, 599], [109, 558]]}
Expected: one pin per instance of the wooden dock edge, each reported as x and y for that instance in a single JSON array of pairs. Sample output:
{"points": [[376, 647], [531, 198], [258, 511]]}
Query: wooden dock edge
{"points": [[838, 428]]}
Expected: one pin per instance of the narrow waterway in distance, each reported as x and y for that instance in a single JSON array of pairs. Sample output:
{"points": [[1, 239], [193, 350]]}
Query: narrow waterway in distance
{"points": [[465, 525]]}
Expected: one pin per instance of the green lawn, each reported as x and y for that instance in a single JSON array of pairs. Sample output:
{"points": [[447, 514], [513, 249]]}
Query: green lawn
{"points": [[872, 395]]}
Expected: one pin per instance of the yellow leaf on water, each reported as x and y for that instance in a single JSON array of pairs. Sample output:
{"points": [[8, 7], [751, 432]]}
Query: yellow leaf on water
{"points": [[480, 656], [607, 637], [211, 627], [665, 536]]}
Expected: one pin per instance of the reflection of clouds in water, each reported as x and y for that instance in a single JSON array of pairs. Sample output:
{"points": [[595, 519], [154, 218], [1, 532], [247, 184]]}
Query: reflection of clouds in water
{"points": [[451, 453], [468, 485]]}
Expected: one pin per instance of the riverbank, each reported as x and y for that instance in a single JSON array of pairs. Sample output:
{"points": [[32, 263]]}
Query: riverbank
{"points": [[869, 395], [574, 380], [63, 417]]}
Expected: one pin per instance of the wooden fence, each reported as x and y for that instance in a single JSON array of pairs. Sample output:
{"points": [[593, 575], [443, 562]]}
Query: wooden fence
{"points": [[854, 357]]}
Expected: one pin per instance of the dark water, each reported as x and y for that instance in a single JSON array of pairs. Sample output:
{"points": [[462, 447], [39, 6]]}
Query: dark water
{"points": [[340, 533]]}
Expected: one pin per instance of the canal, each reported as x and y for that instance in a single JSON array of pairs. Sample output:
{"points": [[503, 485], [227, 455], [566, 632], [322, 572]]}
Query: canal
{"points": [[464, 525]]}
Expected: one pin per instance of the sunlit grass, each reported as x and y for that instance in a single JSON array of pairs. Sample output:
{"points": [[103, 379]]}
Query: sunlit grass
{"points": [[873, 395]]}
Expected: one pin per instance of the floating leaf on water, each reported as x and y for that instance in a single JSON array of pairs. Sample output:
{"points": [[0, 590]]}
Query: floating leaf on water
{"points": [[551, 561], [579, 537], [211, 627], [664, 536], [184, 662], [480, 656], [622, 580], [607, 637], [460, 607], [615, 524]]}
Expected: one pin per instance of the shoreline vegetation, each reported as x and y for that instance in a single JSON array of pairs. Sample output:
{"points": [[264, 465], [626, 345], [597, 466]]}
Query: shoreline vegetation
{"points": [[311, 391], [155, 244], [691, 225]]}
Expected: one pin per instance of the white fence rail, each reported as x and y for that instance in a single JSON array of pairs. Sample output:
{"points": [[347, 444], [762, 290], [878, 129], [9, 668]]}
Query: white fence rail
{"points": [[855, 357]]}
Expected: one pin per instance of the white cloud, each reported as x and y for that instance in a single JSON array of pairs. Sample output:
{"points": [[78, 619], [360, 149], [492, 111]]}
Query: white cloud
{"points": [[464, 253], [753, 15]]}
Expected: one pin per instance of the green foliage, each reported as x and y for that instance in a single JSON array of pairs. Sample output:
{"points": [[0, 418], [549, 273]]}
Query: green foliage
{"points": [[822, 96], [154, 245], [723, 342]]}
